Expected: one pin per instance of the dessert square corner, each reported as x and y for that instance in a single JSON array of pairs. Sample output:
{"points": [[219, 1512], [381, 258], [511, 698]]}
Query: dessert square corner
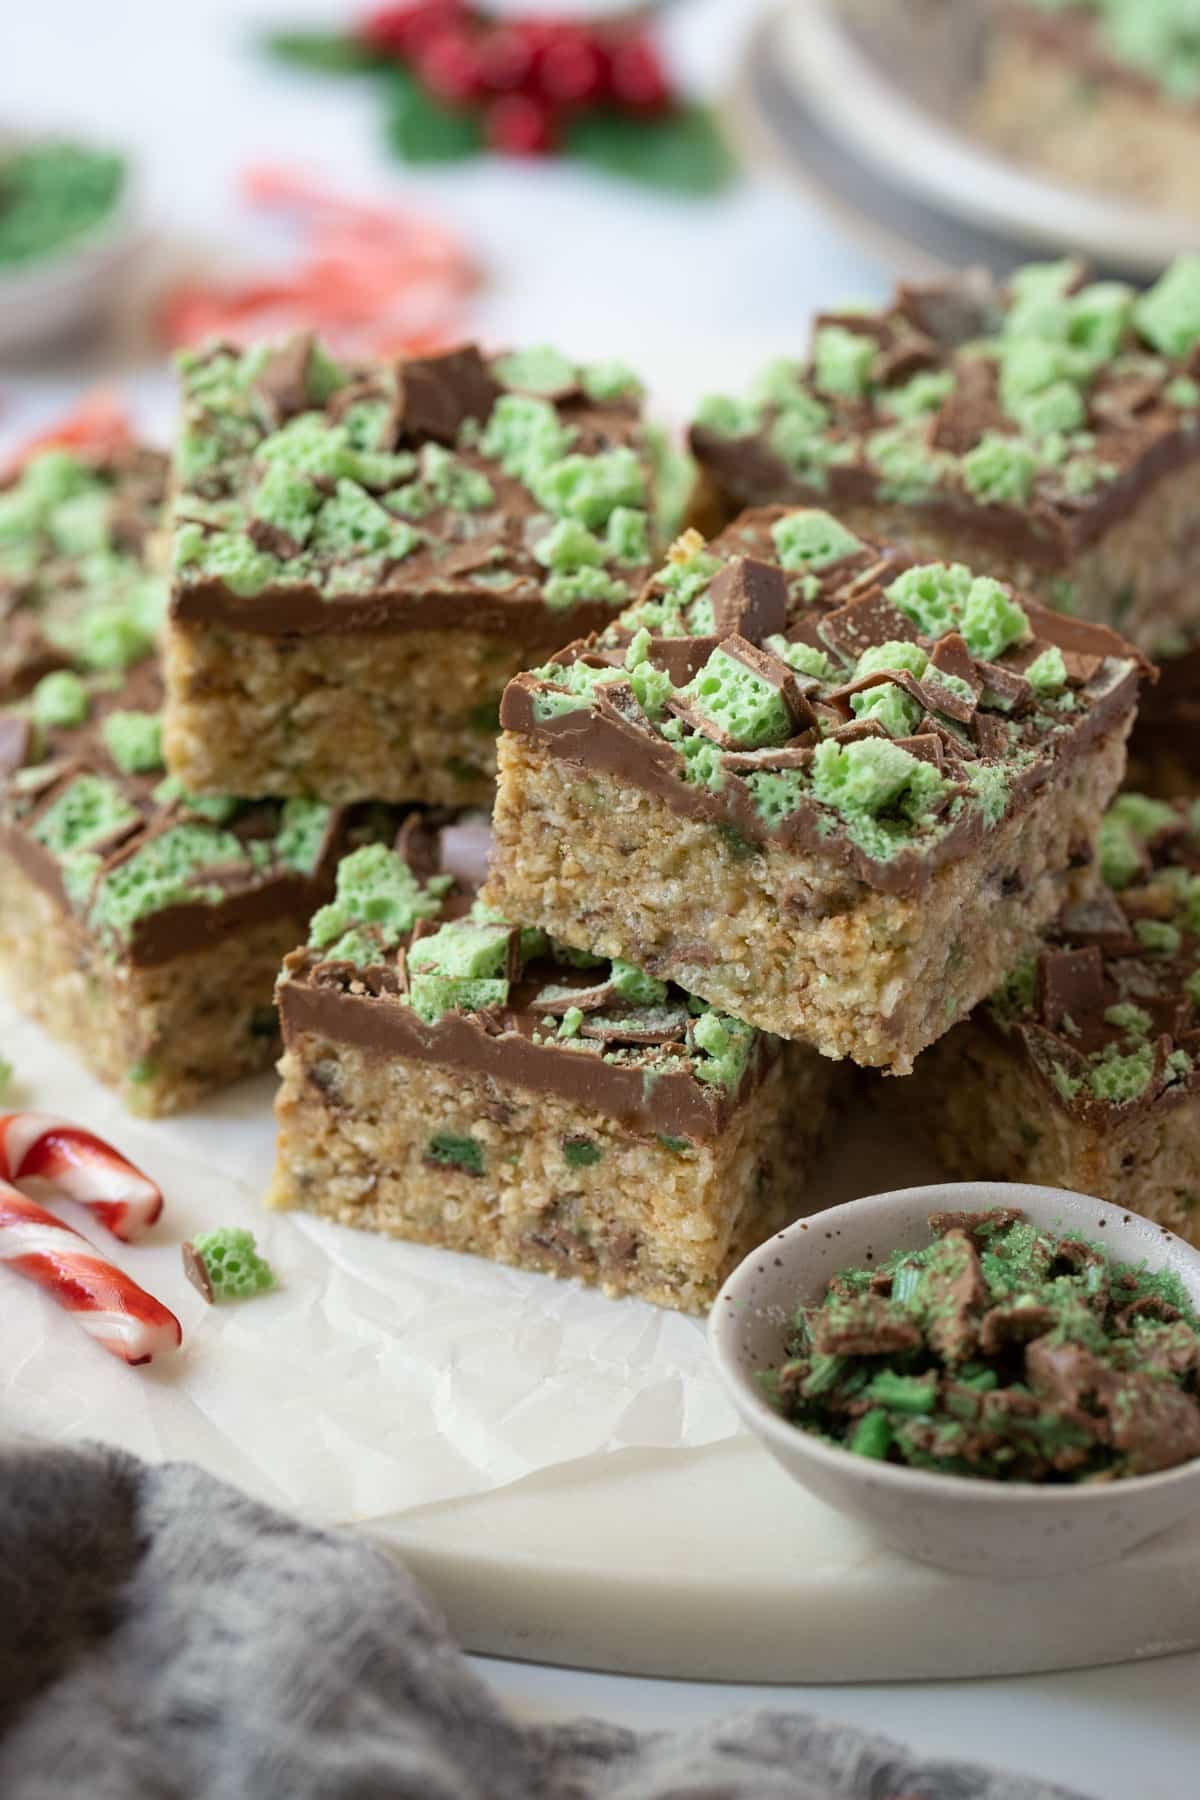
{"points": [[452, 1080], [831, 791], [362, 557]]}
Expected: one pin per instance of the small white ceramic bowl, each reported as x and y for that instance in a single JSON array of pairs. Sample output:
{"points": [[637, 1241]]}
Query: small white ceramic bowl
{"points": [[976, 1527], [67, 290]]}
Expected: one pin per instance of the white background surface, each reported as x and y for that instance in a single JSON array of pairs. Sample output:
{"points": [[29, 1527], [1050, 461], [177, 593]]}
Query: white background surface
{"points": [[699, 293]]}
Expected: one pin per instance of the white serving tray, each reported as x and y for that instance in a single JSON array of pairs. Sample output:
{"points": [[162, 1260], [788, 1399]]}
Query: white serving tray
{"points": [[561, 1470]]}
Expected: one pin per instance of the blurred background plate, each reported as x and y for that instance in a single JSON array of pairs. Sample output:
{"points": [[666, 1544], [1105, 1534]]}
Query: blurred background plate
{"points": [[863, 98]]}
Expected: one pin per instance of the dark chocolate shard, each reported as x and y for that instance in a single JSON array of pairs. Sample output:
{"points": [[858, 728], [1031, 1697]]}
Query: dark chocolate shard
{"points": [[864, 623], [1081, 666], [773, 670], [282, 382], [1070, 985], [1009, 688], [196, 1270], [682, 657], [991, 739], [16, 743], [1098, 920], [950, 656], [665, 1024], [970, 411], [749, 598], [954, 311], [438, 394], [558, 997]]}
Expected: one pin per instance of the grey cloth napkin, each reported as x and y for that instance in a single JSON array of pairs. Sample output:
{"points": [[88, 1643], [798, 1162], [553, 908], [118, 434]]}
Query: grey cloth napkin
{"points": [[162, 1637]]}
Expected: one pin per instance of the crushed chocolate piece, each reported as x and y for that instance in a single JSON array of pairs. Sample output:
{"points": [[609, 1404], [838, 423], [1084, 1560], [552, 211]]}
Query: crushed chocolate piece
{"points": [[196, 1270], [1070, 985], [438, 394], [749, 599]]}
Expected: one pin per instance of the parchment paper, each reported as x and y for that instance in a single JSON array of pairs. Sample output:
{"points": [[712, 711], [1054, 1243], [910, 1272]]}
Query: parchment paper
{"points": [[381, 1376]]}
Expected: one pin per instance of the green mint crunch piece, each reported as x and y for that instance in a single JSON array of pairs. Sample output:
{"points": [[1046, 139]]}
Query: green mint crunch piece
{"points": [[581, 1152], [232, 1264], [611, 380], [134, 741], [726, 1045], [932, 596], [1168, 316], [570, 545], [60, 699], [890, 706], [538, 370], [1000, 470], [741, 702], [375, 887], [991, 621], [166, 871], [525, 435], [590, 488], [812, 539], [90, 809], [455, 1150], [1047, 673], [634, 985], [431, 996], [894, 655], [463, 949]]}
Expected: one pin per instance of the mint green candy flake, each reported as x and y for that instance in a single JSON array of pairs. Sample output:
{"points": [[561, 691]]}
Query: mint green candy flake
{"points": [[1184, 392], [805, 659], [741, 702], [232, 1263], [991, 786], [1059, 407], [110, 638], [589, 488], [894, 655], [688, 570], [578, 678], [1160, 938], [776, 793], [226, 557], [728, 416], [889, 706], [1000, 470], [725, 1045], [702, 764], [919, 396], [991, 620], [909, 469], [783, 383], [843, 360], [637, 651], [166, 871], [566, 588], [538, 370], [455, 1150], [570, 546], [581, 1152], [525, 435], [652, 689], [932, 596], [570, 1023], [636, 987], [60, 699], [1120, 1077], [1047, 673], [302, 829], [463, 949], [860, 781], [134, 741], [1168, 316], [287, 501], [353, 523], [432, 996], [610, 381], [627, 535], [1135, 1021], [81, 525], [375, 887], [90, 809], [454, 483], [812, 539]]}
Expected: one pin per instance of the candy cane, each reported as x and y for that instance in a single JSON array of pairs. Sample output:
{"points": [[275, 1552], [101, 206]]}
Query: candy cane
{"points": [[44, 1157], [53, 1156], [124, 1319]]}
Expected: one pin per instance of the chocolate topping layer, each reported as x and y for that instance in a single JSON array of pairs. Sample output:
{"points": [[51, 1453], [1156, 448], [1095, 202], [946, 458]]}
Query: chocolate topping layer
{"points": [[399, 497], [1108, 1014], [977, 721], [1066, 377], [634, 1060]]}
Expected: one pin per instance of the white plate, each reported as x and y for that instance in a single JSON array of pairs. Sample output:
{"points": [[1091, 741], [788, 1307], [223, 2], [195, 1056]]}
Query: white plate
{"points": [[885, 81]]}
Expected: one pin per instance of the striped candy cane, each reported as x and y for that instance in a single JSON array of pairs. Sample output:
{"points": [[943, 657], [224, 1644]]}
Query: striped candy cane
{"points": [[45, 1157], [54, 1155]]}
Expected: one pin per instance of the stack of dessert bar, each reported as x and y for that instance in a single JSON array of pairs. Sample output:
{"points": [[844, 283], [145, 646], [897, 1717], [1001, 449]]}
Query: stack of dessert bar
{"points": [[811, 791]]}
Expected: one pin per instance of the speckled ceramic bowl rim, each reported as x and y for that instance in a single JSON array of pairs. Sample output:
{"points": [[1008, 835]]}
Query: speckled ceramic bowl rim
{"points": [[965, 1196]]}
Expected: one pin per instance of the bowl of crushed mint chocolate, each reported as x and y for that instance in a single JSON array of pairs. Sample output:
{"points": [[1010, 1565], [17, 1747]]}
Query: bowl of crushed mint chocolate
{"points": [[1002, 1380]]}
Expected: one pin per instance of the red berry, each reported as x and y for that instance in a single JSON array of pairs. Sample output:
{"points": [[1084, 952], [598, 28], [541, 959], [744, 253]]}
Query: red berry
{"points": [[519, 125], [637, 79], [572, 69], [506, 59], [401, 30], [448, 65]]}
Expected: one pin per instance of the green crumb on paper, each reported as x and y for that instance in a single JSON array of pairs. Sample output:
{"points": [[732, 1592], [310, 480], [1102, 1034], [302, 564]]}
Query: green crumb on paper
{"points": [[59, 700], [134, 741], [581, 1152], [451, 1151], [812, 539], [232, 1263]]}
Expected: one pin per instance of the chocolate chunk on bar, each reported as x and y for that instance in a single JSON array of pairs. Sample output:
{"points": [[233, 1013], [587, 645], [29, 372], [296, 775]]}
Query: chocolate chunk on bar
{"points": [[1047, 432], [362, 557], [1080, 1071], [140, 924], [550, 1109], [853, 856]]}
